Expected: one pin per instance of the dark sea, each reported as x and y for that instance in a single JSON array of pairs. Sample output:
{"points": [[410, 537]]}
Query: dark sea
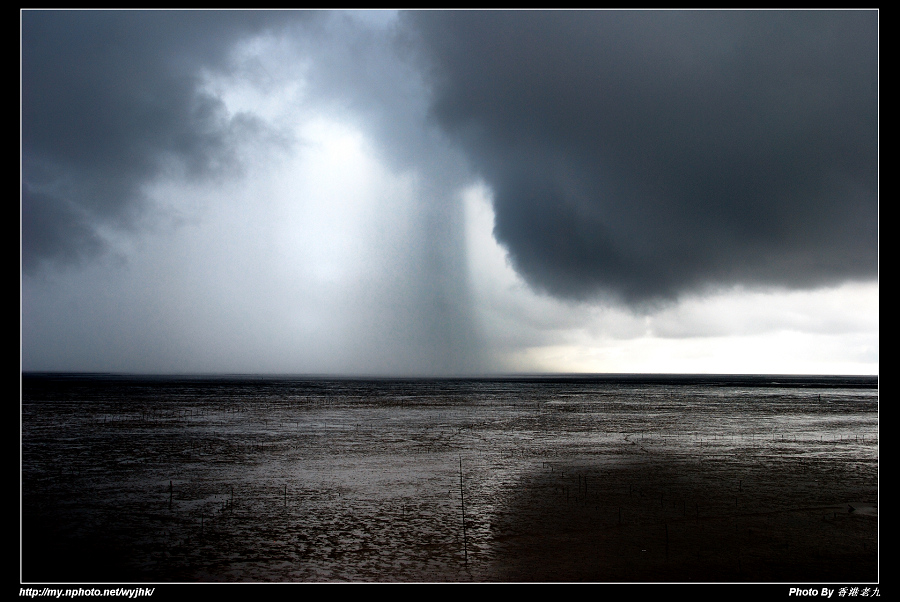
{"points": [[626, 478]]}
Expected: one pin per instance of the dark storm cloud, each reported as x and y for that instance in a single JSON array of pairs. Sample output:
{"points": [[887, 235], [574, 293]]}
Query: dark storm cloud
{"points": [[110, 100], [646, 154]]}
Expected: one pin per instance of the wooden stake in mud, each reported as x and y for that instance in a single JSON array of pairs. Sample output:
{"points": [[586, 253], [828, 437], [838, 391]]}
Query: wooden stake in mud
{"points": [[462, 502]]}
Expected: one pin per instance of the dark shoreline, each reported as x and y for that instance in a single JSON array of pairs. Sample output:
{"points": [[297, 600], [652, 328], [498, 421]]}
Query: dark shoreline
{"points": [[723, 380]]}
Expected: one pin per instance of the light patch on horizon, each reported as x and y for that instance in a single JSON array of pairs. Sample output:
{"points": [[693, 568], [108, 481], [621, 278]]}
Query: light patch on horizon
{"points": [[279, 269], [824, 331]]}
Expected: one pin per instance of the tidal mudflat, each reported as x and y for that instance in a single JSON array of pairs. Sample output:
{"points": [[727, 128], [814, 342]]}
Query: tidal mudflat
{"points": [[628, 479]]}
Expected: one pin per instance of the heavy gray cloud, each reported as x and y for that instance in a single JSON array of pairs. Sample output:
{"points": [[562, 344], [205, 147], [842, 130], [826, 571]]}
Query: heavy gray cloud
{"points": [[115, 103], [110, 99], [641, 154], [647, 154]]}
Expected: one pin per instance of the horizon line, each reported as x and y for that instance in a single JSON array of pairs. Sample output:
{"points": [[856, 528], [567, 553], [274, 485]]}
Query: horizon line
{"points": [[484, 375]]}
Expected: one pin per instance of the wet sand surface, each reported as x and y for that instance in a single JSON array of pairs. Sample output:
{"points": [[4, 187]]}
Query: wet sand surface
{"points": [[562, 483], [661, 521]]}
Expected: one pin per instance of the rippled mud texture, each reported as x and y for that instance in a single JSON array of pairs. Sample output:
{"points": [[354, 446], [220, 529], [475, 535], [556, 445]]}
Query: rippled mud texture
{"points": [[559, 482]]}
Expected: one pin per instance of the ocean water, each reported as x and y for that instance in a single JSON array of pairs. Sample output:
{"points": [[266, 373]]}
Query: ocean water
{"points": [[283, 479]]}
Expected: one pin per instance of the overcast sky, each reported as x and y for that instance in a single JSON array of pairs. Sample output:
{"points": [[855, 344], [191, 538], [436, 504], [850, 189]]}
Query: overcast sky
{"points": [[438, 193]]}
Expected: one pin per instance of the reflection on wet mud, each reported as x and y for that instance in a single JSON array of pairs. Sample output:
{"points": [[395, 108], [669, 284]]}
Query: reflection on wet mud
{"points": [[314, 480]]}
